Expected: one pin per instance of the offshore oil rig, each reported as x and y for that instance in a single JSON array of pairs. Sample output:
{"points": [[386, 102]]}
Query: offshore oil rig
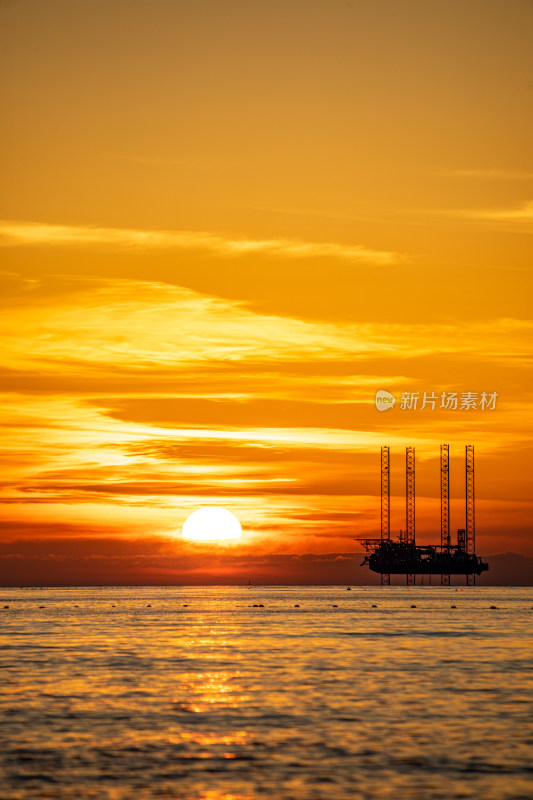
{"points": [[403, 556]]}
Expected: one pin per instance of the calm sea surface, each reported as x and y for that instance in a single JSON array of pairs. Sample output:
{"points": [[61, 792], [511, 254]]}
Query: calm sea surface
{"points": [[193, 693]]}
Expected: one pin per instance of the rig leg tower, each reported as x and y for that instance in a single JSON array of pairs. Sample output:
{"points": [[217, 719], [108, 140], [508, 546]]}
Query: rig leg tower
{"points": [[385, 503], [470, 543], [410, 504], [445, 541]]}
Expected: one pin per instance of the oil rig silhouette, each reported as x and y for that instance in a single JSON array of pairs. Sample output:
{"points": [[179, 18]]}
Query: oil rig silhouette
{"points": [[403, 556]]}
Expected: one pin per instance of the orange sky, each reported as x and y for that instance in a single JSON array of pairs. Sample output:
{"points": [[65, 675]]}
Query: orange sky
{"points": [[224, 227]]}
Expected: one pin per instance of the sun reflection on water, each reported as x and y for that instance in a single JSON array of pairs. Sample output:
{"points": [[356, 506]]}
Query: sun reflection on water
{"points": [[224, 704]]}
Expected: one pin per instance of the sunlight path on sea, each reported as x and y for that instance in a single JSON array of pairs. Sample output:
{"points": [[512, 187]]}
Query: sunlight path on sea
{"points": [[225, 693]]}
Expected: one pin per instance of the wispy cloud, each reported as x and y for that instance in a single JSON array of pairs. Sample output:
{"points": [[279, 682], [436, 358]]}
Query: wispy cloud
{"points": [[514, 218], [139, 326], [523, 213], [143, 325], [198, 163], [491, 174], [40, 234]]}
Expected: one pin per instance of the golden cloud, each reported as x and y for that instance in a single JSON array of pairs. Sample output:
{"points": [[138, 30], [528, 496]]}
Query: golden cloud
{"points": [[41, 234], [135, 326]]}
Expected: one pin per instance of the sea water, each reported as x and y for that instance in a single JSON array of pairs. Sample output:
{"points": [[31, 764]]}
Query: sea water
{"points": [[230, 693]]}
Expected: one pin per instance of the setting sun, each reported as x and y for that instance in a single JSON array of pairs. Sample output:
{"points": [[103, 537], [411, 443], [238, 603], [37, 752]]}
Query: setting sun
{"points": [[211, 523]]}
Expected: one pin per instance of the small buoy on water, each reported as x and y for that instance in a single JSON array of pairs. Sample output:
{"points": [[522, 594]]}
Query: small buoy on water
{"points": [[185, 605], [413, 606], [493, 606], [6, 606], [296, 606], [260, 605], [348, 589], [149, 605], [375, 606], [333, 606], [453, 606]]}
